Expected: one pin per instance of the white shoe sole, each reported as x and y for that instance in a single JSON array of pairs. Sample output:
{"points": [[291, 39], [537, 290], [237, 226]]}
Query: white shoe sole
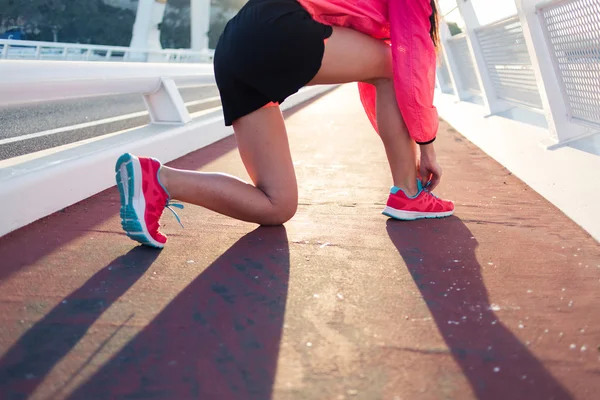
{"points": [[412, 215], [133, 204]]}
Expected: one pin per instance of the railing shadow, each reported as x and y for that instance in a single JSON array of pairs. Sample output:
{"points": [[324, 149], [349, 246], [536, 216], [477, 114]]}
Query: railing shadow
{"points": [[25, 365], [218, 339], [441, 258]]}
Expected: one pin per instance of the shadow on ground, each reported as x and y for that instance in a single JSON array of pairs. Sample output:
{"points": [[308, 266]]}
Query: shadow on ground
{"points": [[25, 365], [218, 339], [440, 256]]}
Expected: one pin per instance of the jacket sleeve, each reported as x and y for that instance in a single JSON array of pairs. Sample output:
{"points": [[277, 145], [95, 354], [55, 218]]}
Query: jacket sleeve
{"points": [[414, 59]]}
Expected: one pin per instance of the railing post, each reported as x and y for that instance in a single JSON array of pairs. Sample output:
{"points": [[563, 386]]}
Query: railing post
{"points": [[38, 52], [449, 58], [200, 17], [442, 76], [492, 103], [166, 105], [108, 54], [146, 34], [438, 84], [65, 53], [554, 99], [5, 50]]}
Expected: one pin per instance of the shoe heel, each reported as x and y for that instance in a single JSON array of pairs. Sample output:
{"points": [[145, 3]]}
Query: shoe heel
{"points": [[122, 160], [130, 220]]}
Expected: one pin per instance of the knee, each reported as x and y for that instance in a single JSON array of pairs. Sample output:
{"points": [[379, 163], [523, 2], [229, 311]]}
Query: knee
{"points": [[281, 212], [383, 71], [284, 212]]}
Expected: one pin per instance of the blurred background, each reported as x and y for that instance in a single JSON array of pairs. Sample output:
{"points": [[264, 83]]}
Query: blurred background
{"points": [[104, 22]]}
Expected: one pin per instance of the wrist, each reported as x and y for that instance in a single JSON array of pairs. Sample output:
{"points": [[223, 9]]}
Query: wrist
{"points": [[427, 149]]}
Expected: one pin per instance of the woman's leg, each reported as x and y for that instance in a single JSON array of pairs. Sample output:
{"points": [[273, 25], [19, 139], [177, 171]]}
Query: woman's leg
{"points": [[263, 145], [350, 57], [401, 150], [262, 141]]}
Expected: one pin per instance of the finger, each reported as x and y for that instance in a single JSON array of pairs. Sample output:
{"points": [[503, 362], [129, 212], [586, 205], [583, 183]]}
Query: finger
{"points": [[435, 180], [425, 179], [423, 176]]}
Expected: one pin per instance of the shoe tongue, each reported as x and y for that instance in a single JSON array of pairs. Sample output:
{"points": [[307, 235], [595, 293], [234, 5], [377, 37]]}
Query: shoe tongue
{"points": [[419, 185]]}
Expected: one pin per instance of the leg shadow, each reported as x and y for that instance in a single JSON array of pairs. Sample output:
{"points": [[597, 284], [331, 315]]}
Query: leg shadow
{"points": [[440, 256], [218, 339], [27, 362]]}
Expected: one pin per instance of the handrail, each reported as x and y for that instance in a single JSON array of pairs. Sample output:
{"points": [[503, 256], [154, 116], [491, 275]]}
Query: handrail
{"points": [[511, 19], [549, 3], [86, 49], [457, 37], [77, 171], [32, 43], [30, 81]]}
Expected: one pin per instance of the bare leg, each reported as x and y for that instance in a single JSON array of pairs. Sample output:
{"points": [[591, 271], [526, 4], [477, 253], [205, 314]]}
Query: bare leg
{"points": [[401, 150], [351, 56], [263, 146], [262, 141]]}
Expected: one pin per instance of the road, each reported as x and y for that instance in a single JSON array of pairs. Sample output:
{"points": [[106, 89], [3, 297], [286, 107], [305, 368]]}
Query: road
{"points": [[31, 128]]}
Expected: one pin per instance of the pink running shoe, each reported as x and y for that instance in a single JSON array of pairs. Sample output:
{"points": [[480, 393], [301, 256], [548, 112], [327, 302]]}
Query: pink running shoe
{"points": [[423, 205], [143, 199]]}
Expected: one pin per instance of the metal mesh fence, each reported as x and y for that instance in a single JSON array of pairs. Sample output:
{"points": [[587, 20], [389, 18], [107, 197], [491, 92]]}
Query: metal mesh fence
{"points": [[466, 66], [508, 63], [573, 31]]}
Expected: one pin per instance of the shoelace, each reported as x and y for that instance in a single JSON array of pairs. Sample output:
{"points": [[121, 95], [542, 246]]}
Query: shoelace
{"points": [[431, 194], [169, 206]]}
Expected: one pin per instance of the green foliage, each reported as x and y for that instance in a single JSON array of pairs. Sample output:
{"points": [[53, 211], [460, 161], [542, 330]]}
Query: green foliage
{"points": [[454, 28], [74, 21], [92, 21], [175, 30]]}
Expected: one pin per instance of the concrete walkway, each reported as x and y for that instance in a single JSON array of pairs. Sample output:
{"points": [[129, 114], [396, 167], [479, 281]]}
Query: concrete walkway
{"points": [[499, 302]]}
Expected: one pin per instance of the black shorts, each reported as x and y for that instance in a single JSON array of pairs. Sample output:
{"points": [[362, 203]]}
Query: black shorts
{"points": [[268, 51]]}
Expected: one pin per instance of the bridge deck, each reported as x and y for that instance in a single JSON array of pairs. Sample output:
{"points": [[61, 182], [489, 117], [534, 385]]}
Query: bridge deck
{"points": [[499, 302]]}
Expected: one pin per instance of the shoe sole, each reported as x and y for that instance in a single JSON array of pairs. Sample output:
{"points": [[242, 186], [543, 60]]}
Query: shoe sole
{"points": [[133, 204], [413, 215]]}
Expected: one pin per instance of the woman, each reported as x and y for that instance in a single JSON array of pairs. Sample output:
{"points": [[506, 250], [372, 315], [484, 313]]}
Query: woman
{"points": [[270, 50]]}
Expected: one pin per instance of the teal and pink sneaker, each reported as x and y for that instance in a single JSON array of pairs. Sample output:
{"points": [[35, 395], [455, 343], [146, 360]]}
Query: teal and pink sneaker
{"points": [[143, 199], [423, 205]]}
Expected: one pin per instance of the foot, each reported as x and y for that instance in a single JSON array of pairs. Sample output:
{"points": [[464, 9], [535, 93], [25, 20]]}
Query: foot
{"points": [[423, 205], [143, 199]]}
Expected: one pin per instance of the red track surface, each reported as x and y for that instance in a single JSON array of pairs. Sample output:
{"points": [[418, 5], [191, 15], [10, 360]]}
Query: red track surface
{"points": [[499, 302]]}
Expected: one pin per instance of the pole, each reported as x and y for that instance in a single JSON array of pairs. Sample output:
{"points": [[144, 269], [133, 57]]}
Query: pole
{"points": [[200, 22]]}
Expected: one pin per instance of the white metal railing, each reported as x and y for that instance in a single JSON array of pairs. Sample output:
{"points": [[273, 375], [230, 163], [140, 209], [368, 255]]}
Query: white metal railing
{"points": [[508, 63], [547, 57], [24, 82], [172, 133], [466, 67], [444, 75], [74, 172], [31, 50], [572, 28]]}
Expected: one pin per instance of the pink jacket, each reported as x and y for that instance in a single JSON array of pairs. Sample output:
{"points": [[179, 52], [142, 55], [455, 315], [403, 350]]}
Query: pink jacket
{"points": [[404, 24]]}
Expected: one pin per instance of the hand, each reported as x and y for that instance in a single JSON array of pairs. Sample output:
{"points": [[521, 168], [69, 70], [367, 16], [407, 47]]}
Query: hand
{"points": [[429, 170]]}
